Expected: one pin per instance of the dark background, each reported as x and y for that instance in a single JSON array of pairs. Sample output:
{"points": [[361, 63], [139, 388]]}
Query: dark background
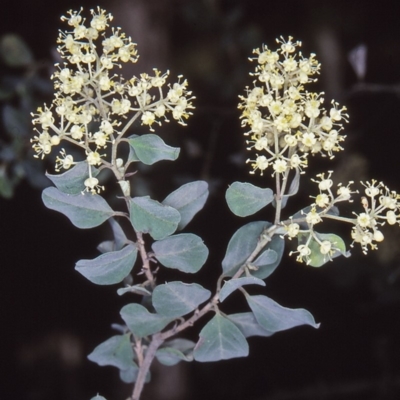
{"points": [[52, 318]]}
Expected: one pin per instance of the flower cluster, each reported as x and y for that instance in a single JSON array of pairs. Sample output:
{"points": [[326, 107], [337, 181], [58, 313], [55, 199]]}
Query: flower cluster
{"points": [[380, 205], [286, 121], [91, 101]]}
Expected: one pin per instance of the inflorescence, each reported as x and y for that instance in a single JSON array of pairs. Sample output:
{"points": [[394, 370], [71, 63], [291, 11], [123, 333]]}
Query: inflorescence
{"points": [[287, 123], [91, 102]]}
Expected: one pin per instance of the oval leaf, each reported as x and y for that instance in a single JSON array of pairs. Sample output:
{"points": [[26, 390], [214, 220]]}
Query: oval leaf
{"points": [[120, 239], [185, 252], [141, 322], [175, 351], [220, 339], [109, 268], [150, 216], [83, 210], [175, 299], [72, 181], [246, 199], [116, 351], [241, 245], [130, 375], [272, 251], [274, 318], [248, 325], [230, 286], [151, 148], [189, 199]]}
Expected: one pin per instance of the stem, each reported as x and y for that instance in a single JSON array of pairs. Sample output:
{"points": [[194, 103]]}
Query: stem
{"points": [[156, 342], [145, 259]]}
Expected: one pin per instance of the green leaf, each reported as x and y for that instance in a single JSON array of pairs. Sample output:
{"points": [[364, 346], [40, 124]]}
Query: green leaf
{"points": [[248, 325], [220, 339], [317, 259], [246, 199], [175, 351], [174, 299], [109, 268], [183, 345], [242, 245], [150, 216], [151, 148], [130, 375], [84, 211], [269, 259], [189, 199], [14, 51], [98, 398], [137, 289], [72, 181], [141, 322], [120, 239], [132, 157], [115, 351], [185, 252], [274, 318], [233, 284]]}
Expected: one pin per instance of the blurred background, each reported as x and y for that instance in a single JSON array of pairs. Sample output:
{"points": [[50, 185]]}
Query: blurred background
{"points": [[52, 317]]}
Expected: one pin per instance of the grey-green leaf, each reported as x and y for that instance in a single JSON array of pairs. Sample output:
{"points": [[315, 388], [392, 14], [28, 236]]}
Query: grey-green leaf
{"points": [[109, 268], [116, 351], [175, 351], [175, 299], [220, 339], [130, 374], [189, 199], [151, 148], [274, 318], [150, 216], [120, 239], [241, 245], [141, 322], [246, 199], [233, 284], [84, 211], [269, 259], [72, 181], [185, 252], [248, 325], [98, 397]]}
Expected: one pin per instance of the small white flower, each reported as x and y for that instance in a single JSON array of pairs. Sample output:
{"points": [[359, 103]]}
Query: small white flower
{"points": [[325, 247]]}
